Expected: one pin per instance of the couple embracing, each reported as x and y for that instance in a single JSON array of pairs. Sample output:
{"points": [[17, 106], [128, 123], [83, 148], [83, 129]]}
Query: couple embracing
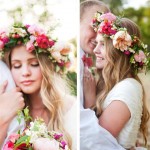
{"points": [[113, 109]]}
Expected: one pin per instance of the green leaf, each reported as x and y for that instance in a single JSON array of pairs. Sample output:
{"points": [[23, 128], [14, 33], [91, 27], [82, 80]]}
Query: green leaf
{"points": [[22, 140]]}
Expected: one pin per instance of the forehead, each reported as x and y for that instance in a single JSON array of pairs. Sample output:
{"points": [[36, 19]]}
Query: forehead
{"points": [[99, 38], [20, 53], [89, 12]]}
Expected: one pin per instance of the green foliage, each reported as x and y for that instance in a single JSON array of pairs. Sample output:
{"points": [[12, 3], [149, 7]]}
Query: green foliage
{"points": [[72, 77]]}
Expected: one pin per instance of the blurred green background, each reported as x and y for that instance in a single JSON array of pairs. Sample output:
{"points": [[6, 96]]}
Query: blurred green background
{"points": [[138, 11]]}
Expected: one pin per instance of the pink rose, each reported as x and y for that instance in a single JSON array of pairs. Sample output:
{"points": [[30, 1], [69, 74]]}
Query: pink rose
{"points": [[56, 55], [106, 28], [1, 45], [43, 41], [8, 146], [33, 29], [45, 144], [108, 17], [139, 57], [29, 46], [13, 137], [122, 40]]}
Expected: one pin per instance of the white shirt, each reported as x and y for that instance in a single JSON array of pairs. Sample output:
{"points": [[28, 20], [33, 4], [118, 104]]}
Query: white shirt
{"points": [[5, 74], [81, 78], [92, 135], [130, 92]]}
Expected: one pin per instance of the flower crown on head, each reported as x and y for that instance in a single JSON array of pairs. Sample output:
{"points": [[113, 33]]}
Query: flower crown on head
{"points": [[109, 26], [36, 40]]}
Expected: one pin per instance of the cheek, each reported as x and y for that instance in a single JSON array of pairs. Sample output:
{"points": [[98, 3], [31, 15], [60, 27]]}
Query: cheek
{"points": [[15, 75], [38, 74]]}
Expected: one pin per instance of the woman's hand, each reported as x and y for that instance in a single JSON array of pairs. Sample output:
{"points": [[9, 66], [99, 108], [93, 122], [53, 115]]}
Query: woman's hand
{"points": [[89, 88], [45, 144], [10, 103]]}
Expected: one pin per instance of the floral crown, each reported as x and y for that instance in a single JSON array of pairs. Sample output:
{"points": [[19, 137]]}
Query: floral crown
{"points": [[36, 40], [109, 26]]}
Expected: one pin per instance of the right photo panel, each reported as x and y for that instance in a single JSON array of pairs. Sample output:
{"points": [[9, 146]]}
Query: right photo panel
{"points": [[114, 75]]}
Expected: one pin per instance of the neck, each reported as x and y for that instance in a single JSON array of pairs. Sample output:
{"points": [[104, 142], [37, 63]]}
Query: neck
{"points": [[35, 101]]}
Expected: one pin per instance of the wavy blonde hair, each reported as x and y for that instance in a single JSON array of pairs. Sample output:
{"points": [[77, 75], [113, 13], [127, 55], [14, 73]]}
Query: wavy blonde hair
{"points": [[116, 70], [52, 94]]}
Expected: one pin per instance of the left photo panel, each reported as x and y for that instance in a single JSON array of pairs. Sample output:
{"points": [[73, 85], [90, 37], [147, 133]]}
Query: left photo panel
{"points": [[38, 75]]}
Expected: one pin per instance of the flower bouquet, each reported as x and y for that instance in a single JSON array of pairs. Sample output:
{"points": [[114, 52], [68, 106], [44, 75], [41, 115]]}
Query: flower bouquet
{"points": [[36, 137]]}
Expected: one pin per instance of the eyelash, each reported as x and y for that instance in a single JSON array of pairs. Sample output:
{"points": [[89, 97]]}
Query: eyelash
{"points": [[33, 65]]}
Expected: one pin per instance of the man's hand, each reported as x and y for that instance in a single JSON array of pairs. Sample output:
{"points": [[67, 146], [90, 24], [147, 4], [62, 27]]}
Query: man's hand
{"points": [[10, 103]]}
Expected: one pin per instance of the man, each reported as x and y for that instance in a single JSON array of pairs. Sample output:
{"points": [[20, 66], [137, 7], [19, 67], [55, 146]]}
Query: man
{"points": [[92, 136], [11, 100]]}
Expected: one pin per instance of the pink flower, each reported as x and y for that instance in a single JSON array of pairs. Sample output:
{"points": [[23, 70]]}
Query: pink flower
{"points": [[139, 57], [1, 45], [122, 40], [13, 137], [8, 146], [108, 17], [45, 144], [29, 46], [43, 41], [57, 136], [33, 29], [106, 28], [127, 52], [56, 55], [63, 144], [51, 43]]}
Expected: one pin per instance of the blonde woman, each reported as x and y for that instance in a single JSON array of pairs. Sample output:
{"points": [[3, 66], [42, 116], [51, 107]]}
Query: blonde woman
{"points": [[120, 101], [37, 63]]}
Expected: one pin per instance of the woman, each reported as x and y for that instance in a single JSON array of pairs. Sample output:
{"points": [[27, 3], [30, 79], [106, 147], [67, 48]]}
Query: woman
{"points": [[37, 63], [120, 100]]}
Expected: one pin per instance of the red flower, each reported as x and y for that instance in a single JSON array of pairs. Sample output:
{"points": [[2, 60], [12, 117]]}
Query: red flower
{"points": [[43, 41], [87, 61], [9, 146], [21, 146], [106, 28]]}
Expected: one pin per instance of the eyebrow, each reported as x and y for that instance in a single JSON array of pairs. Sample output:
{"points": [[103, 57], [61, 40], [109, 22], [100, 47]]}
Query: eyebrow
{"points": [[30, 59]]}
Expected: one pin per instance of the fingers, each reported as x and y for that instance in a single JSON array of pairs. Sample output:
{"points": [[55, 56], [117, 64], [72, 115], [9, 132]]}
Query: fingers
{"points": [[88, 75], [16, 89], [3, 87]]}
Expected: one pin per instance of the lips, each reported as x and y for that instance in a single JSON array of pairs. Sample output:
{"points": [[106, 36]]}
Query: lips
{"points": [[27, 82], [99, 58]]}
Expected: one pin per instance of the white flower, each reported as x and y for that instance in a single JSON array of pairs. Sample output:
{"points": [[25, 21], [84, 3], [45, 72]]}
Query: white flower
{"points": [[122, 40], [45, 144], [19, 31], [28, 132]]}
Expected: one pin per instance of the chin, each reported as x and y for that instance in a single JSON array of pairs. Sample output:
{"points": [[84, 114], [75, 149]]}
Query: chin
{"points": [[29, 90]]}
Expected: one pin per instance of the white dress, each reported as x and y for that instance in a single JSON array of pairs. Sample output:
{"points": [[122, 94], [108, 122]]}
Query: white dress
{"points": [[5, 74], [70, 124], [81, 78], [130, 92]]}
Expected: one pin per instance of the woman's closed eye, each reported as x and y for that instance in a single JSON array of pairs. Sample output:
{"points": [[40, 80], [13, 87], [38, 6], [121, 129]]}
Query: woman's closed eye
{"points": [[35, 64], [16, 66]]}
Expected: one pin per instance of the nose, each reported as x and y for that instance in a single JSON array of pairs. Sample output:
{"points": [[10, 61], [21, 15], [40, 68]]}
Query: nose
{"points": [[26, 71], [97, 49]]}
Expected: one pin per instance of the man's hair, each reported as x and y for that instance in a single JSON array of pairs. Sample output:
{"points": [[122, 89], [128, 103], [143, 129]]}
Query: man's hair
{"points": [[89, 4]]}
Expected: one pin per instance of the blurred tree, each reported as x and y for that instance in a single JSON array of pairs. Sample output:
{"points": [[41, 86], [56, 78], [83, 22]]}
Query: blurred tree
{"points": [[140, 16]]}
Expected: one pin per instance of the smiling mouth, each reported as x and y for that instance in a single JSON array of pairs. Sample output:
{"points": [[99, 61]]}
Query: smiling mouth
{"points": [[100, 58]]}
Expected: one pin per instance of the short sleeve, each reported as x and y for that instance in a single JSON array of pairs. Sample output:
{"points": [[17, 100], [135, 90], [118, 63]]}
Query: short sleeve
{"points": [[5, 74], [128, 91]]}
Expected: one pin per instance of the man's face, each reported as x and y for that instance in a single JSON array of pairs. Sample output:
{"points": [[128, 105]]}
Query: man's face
{"points": [[87, 34]]}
